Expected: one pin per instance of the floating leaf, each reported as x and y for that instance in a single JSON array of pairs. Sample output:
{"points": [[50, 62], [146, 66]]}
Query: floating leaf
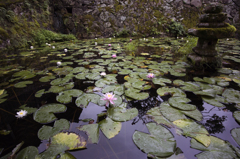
{"points": [[45, 132], [45, 114], [190, 86], [28, 152], [192, 129], [59, 81], [141, 85], [29, 110], [160, 142], [236, 134], [39, 93], [62, 142], [46, 78], [4, 132], [85, 98], [121, 114], [136, 94], [116, 89], [156, 115], [161, 81], [93, 76], [175, 92], [92, 130], [218, 149], [58, 89], [66, 96], [110, 128], [22, 84], [180, 103], [207, 92], [215, 101], [236, 115], [232, 96]]}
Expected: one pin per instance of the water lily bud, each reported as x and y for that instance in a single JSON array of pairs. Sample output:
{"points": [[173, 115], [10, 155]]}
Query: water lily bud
{"points": [[65, 50], [59, 63], [31, 47]]}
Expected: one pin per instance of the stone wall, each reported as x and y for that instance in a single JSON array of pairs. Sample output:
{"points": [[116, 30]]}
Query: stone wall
{"points": [[94, 18]]}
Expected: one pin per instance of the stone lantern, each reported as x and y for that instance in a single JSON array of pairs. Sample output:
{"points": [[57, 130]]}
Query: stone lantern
{"points": [[211, 28]]}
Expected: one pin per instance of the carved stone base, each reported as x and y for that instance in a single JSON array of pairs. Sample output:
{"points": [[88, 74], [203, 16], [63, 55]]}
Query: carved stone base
{"points": [[206, 47], [203, 62]]}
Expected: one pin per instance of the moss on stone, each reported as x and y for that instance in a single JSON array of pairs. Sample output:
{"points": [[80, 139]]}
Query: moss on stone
{"points": [[3, 33], [118, 7]]}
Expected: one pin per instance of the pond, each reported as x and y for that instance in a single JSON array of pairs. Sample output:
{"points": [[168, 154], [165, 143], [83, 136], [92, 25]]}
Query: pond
{"points": [[119, 99]]}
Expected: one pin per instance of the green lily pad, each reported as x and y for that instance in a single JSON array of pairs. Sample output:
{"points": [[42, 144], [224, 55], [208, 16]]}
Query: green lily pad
{"points": [[92, 130], [161, 81], [59, 81], [141, 85], [236, 134], [3, 94], [24, 74], [136, 94], [215, 101], [47, 78], [110, 128], [124, 72], [81, 76], [157, 116], [28, 152], [66, 155], [207, 92], [45, 114], [39, 93], [66, 96], [175, 92], [22, 84], [218, 149], [62, 142], [236, 115], [93, 76], [232, 96], [105, 81], [29, 110], [160, 142], [180, 103], [192, 129], [116, 89], [58, 89], [121, 114], [45, 132], [190, 86], [85, 98], [80, 69]]}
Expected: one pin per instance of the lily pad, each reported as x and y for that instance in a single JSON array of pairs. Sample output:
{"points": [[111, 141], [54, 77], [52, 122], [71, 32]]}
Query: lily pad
{"points": [[157, 116], [180, 103], [161, 81], [190, 86], [232, 96], [215, 101], [29, 110], [192, 129], [28, 152], [160, 142], [39, 93], [175, 92], [59, 81], [62, 142], [141, 85], [45, 132], [22, 84], [47, 78], [45, 114], [122, 114], [116, 89], [85, 98], [66, 96], [92, 130], [93, 76], [58, 89], [218, 149], [136, 94], [110, 128], [236, 134], [207, 92], [236, 115]]}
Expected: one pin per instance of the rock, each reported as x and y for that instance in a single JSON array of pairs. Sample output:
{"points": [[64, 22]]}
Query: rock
{"points": [[213, 17], [187, 1], [213, 8], [104, 16], [196, 3], [107, 25]]}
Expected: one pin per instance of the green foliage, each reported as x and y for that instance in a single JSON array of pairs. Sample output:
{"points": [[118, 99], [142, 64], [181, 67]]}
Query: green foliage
{"points": [[42, 36], [176, 28], [131, 47], [10, 16], [191, 42], [122, 33], [3, 32]]}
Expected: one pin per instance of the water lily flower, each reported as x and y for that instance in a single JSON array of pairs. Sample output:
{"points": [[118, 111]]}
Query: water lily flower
{"points": [[153, 37], [95, 43], [227, 39], [49, 44], [114, 36], [187, 41], [114, 55], [31, 47], [150, 75], [96, 38], [53, 47], [65, 50], [21, 113], [130, 39], [103, 74], [110, 38], [109, 45], [144, 39], [59, 63], [109, 97], [46, 43]]}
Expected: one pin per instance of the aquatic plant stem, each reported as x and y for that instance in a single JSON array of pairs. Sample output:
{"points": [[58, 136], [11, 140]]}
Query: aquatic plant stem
{"points": [[112, 149], [28, 98], [16, 96], [73, 119]]}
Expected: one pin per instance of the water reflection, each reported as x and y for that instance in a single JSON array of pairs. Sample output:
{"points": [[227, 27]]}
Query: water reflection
{"points": [[215, 124]]}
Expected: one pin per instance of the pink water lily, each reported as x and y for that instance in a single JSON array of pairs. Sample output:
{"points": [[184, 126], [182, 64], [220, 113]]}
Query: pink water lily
{"points": [[109, 45], [114, 55], [130, 40], [109, 97], [150, 75]]}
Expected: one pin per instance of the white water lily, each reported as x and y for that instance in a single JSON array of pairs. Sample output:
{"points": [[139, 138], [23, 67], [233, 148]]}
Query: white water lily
{"points": [[103, 74], [53, 47], [65, 50], [95, 43], [46, 43], [59, 63], [21, 113], [31, 47]]}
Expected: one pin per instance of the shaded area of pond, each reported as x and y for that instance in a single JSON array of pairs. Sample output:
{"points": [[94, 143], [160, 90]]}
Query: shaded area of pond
{"points": [[82, 65]]}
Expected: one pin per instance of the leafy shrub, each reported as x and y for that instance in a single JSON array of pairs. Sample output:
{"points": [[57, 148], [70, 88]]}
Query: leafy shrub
{"points": [[39, 38], [176, 28], [191, 42], [122, 33]]}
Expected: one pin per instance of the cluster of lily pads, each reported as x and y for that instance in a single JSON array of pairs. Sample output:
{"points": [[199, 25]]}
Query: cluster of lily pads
{"points": [[103, 68]]}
